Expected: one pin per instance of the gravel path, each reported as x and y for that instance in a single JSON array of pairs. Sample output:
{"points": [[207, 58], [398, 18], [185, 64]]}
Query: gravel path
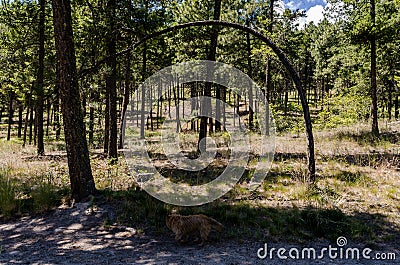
{"points": [[75, 236]]}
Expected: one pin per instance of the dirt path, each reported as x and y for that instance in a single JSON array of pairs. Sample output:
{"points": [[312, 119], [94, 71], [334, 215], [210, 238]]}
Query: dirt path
{"points": [[76, 236]]}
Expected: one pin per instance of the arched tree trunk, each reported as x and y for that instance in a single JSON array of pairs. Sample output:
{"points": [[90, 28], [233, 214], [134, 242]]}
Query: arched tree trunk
{"points": [[281, 55]]}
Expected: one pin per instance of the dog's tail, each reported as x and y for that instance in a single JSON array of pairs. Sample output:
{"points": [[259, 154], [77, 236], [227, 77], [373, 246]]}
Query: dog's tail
{"points": [[215, 224]]}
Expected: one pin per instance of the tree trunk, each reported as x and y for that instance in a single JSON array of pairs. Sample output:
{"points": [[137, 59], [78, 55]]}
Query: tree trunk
{"points": [[20, 121], [268, 69], [250, 73], [107, 122], [49, 116], [390, 100], [223, 107], [268, 66], [91, 118], [1, 113], [39, 82], [82, 184], [175, 90], [159, 102], [143, 96], [34, 130], [125, 100], [286, 101], [111, 82], [28, 107], [396, 107], [206, 106], [193, 105], [31, 120], [10, 114], [56, 111], [26, 125], [374, 100], [214, 38], [151, 108]]}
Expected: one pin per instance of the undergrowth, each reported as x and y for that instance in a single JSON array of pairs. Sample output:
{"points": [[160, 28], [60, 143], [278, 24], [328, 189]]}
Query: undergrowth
{"points": [[36, 196], [344, 201]]}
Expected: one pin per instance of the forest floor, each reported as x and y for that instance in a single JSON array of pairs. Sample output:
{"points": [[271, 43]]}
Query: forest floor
{"points": [[76, 235], [356, 196]]}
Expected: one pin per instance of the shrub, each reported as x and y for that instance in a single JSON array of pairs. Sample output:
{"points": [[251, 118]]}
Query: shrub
{"points": [[343, 110]]}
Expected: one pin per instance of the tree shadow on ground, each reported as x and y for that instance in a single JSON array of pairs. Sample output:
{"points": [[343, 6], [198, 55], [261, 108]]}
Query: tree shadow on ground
{"points": [[249, 219], [368, 138], [86, 233], [359, 159]]}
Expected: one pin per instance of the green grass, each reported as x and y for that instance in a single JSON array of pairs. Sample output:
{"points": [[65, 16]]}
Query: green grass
{"points": [[354, 179], [8, 202], [45, 195], [247, 219], [32, 197]]}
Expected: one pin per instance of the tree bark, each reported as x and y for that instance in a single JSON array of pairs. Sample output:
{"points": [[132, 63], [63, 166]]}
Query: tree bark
{"points": [[107, 122], [10, 114], [82, 184], [207, 90], [390, 100], [111, 82], [217, 15], [143, 95], [250, 74], [374, 100], [268, 66], [20, 120], [28, 107], [31, 120], [91, 118], [39, 83], [125, 100], [49, 116], [56, 111]]}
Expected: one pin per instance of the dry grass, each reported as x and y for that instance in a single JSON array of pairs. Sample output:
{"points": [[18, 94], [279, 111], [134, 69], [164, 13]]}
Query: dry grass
{"points": [[357, 192]]}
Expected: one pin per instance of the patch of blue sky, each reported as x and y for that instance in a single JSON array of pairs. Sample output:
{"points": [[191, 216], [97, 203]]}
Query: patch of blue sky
{"points": [[303, 4]]}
